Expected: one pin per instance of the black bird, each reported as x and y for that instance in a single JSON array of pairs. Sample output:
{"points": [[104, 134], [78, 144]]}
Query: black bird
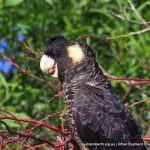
{"points": [[97, 118]]}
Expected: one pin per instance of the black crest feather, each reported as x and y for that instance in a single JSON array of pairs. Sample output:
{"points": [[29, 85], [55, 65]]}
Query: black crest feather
{"points": [[55, 38]]}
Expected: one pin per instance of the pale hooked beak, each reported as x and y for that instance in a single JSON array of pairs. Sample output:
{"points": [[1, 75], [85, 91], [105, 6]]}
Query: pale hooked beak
{"points": [[49, 66]]}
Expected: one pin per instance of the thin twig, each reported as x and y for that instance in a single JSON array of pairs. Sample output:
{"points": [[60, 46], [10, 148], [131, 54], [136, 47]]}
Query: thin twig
{"points": [[14, 117], [127, 93], [30, 50], [26, 135], [126, 18], [146, 138], [130, 34], [136, 12], [42, 124], [141, 101]]}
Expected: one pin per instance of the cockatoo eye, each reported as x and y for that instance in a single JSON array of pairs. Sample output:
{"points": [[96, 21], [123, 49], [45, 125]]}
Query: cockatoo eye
{"points": [[56, 51]]}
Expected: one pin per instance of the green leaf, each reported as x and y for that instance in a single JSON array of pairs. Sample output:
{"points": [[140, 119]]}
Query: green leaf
{"points": [[49, 2], [13, 2], [101, 11], [3, 81], [1, 3]]}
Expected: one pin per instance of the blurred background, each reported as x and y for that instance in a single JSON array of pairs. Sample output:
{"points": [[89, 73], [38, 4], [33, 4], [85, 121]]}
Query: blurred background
{"points": [[118, 31]]}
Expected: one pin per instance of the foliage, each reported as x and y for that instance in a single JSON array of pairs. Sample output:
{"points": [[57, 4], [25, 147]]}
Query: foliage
{"points": [[35, 21]]}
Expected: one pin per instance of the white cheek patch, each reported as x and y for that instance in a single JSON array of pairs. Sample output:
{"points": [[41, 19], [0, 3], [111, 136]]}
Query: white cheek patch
{"points": [[76, 53]]}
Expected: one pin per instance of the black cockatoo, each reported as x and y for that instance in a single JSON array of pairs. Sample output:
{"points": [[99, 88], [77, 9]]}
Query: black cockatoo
{"points": [[97, 118]]}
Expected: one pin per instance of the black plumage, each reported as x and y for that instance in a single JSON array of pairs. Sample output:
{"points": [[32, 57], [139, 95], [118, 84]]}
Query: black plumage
{"points": [[97, 118]]}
